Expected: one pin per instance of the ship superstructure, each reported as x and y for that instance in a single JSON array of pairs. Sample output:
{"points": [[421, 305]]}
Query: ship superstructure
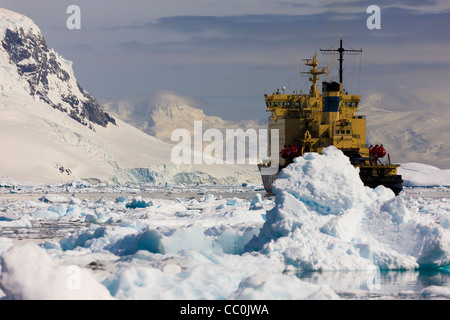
{"points": [[309, 122]]}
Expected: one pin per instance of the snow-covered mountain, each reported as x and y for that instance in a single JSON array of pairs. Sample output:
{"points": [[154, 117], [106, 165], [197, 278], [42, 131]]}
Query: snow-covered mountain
{"points": [[52, 130], [166, 111], [418, 136], [50, 78]]}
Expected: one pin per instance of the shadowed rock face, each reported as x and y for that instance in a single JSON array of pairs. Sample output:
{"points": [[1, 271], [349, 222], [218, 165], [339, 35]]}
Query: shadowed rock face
{"points": [[49, 78]]}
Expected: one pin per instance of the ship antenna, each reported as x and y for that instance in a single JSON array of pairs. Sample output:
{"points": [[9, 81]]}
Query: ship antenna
{"points": [[341, 51], [314, 72]]}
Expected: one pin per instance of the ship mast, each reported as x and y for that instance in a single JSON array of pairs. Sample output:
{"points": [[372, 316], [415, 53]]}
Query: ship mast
{"points": [[341, 51], [315, 73]]}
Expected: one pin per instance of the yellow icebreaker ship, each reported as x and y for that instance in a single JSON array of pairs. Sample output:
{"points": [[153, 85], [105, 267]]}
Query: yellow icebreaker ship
{"points": [[310, 122]]}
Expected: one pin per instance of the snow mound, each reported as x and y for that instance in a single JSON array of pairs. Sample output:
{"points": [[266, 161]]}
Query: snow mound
{"points": [[326, 219], [423, 175], [44, 279]]}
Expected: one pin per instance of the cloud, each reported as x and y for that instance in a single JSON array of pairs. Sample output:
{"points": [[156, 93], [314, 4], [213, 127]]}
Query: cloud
{"points": [[224, 46], [405, 35]]}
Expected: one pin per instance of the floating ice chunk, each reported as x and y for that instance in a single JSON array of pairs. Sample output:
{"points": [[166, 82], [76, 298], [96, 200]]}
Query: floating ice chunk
{"points": [[55, 212], [192, 238], [234, 202], [149, 240], [28, 273], [98, 238], [257, 202], [45, 214], [91, 218], [280, 287], [102, 201], [138, 202], [78, 184], [50, 244], [121, 199], [74, 211], [74, 200], [209, 198], [53, 198], [204, 275], [233, 242], [59, 209], [436, 291], [23, 222], [433, 248], [102, 214], [81, 238], [136, 282]]}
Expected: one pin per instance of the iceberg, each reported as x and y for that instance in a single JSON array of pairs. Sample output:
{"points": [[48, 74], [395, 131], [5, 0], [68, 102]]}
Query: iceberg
{"points": [[423, 175], [44, 279], [326, 219]]}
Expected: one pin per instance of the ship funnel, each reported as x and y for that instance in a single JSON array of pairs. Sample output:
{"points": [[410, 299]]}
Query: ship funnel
{"points": [[330, 101]]}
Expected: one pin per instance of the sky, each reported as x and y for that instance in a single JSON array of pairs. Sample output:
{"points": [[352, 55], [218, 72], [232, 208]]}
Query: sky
{"points": [[226, 54]]}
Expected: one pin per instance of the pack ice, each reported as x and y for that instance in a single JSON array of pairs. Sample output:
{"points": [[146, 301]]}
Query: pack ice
{"points": [[322, 218], [326, 219]]}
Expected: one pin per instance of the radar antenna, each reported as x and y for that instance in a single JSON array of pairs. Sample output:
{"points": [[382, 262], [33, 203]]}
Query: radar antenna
{"points": [[341, 51]]}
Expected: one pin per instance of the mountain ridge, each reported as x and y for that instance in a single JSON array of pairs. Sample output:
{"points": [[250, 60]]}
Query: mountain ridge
{"points": [[54, 131], [38, 65], [163, 112]]}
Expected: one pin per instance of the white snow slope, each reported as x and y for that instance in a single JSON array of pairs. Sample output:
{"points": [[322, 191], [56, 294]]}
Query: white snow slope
{"points": [[422, 175], [418, 136], [42, 144]]}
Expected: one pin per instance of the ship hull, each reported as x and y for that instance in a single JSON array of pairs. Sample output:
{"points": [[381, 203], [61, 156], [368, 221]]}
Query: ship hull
{"points": [[268, 177], [394, 182]]}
